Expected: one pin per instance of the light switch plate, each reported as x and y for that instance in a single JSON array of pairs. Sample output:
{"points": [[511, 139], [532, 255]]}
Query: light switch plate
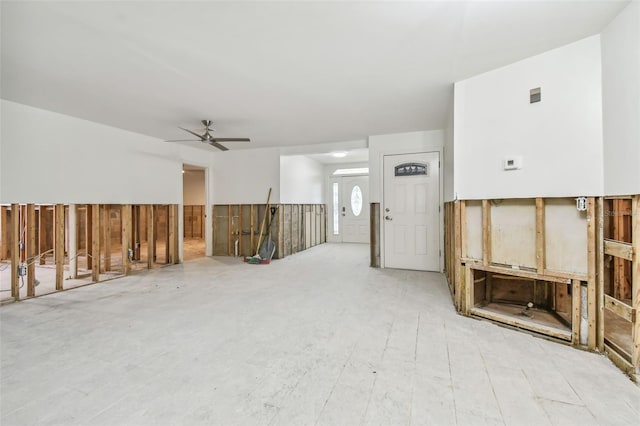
{"points": [[513, 163]]}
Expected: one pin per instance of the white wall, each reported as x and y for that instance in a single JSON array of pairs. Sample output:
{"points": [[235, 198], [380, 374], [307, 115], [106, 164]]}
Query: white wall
{"points": [[245, 176], [193, 188], [53, 158], [621, 102], [398, 143], [301, 180], [560, 138], [448, 165]]}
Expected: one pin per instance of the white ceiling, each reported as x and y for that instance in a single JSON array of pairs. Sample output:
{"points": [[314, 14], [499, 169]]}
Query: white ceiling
{"points": [[281, 73]]}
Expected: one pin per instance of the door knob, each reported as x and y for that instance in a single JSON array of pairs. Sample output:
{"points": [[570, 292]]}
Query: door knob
{"points": [[388, 218], [387, 210]]}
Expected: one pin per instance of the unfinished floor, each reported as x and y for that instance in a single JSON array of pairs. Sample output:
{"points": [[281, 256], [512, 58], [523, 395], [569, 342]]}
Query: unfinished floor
{"points": [[315, 338]]}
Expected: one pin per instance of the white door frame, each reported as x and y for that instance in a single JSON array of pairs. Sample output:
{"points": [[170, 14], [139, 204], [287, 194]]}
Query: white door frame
{"points": [[382, 154], [331, 238]]}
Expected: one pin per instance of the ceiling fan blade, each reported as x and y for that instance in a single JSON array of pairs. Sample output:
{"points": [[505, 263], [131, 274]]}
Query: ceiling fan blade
{"points": [[231, 140], [184, 140], [217, 145], [193, 133]]}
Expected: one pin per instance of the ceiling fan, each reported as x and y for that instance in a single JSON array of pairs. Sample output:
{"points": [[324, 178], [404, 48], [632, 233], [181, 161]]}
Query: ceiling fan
{"points": [[206, 137]]}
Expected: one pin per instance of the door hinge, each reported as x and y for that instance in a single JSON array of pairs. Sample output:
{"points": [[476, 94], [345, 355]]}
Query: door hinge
{"points": [[439, 164], [440, 253], [439, 209]]}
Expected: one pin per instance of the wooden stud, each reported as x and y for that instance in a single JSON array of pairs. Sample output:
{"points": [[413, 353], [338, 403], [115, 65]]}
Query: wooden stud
{"points": [[15, 251], [230, 231], [280, 243], [457, 251], [4, 236], [167, 235], [463, 229], [240, 228], [106, 220], [486, 232], [154, 233], [469, 289], [73, 240], [150, 237], [488, 288], [135, 232], [635, 267], [59, 244], [173, 235], [540, 234], [23, 228], [575, 308], [591, 272], [600, 274], [89, 236], [42, 235], [30, 238], [95, 242], [252, 228], [126, 219]]}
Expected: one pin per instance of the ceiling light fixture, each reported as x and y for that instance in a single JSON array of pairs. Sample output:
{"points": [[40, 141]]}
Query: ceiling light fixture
{"points": [[339, 154]]}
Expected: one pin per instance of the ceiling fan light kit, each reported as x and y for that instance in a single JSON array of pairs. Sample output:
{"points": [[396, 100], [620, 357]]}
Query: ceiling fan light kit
{"points": [[206, 137]]}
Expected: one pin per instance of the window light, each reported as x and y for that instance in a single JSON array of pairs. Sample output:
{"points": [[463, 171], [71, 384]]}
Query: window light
{"points": [[354, 171]]}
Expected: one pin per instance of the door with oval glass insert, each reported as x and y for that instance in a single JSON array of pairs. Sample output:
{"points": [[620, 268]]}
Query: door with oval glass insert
{"points": [[354, 207]]}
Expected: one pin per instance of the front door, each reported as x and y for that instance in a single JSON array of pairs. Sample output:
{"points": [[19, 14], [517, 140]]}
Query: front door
{"points": [[355, 209], [411, 211]]}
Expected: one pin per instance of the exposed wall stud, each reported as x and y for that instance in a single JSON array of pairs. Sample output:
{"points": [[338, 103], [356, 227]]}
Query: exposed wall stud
{"points": [[4, 237], [540, 233], [15, 250], [59, 245], [95, 242], [151, 246], [575, 307], [600, 273], [591, 272], [486, 232], [635, 301], [106, 226], [457, 254], [126, 218], [73, 239], [31, 249]]}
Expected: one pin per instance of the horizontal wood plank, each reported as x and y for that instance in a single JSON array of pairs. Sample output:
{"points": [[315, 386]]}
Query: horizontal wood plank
{"points": [[518, 273], [619, 308], [618, 249], [538, 328]]}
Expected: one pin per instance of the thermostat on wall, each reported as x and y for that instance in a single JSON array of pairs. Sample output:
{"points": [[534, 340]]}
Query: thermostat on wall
{"points": [[513, 163]]}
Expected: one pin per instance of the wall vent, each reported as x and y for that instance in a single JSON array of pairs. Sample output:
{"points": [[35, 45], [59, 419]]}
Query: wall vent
{"points": [[535, 95]]}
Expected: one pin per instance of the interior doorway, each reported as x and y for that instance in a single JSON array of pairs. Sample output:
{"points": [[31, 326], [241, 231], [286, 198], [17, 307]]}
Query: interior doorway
{"points": [[350, 209], [194, 202]]}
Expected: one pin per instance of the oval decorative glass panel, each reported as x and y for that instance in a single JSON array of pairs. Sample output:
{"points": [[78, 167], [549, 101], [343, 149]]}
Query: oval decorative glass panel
{"points": [[356, 200]]}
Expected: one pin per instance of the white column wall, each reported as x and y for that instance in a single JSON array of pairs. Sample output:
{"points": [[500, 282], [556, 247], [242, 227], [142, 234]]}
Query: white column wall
{"points": [[559, 139], [621, 102]]}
